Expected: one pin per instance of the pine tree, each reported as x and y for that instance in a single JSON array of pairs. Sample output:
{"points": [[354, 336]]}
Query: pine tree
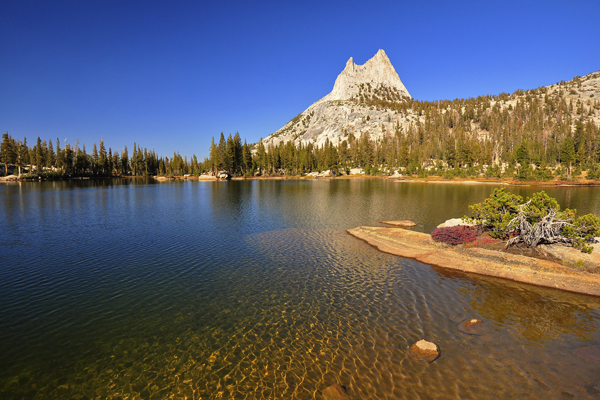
{"points": [[221, 150], [51, 158], [7, 152], [68, 159], [229, 164], [567, 154], [102, 159], [109, 162], [214, 157], [23, 155], [522, 154], [124, 161], [39, 156], [59, 155], [134, 160], [261, 156], [237, 152], [95, 159], [194, 165], [246, 158]]}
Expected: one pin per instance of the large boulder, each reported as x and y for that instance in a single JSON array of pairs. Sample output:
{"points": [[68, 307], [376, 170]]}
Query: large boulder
{"points": [[424, 351], [454, 222], [9, 178]]}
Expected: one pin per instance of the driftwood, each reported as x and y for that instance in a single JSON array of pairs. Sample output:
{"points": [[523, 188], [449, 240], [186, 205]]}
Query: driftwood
{"points": [[547, 231]]}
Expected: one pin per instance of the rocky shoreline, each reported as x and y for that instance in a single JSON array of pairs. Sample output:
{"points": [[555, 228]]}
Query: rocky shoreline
{"points": [[394, 178], [421, 247]]}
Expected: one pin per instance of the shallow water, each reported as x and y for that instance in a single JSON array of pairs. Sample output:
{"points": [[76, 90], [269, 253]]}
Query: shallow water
{"points": [[133, 289]]}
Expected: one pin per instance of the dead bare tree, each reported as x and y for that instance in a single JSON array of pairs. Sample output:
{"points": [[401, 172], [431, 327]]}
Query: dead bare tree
{"points": [[547, 230]]}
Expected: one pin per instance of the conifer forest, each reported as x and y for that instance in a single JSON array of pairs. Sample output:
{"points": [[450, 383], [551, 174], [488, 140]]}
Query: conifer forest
{"points": [[540, 134]]}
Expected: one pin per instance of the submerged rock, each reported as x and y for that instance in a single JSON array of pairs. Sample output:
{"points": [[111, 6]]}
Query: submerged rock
{"points": [[424, 351], [589, 353], [458, 317], [401, 224], [335, 392], [473, 327]]}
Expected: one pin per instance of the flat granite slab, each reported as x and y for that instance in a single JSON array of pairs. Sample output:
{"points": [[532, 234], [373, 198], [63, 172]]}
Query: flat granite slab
{"points": [[421, 247]]}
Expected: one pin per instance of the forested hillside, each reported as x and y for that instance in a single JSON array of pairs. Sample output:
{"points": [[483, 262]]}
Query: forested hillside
{"points": [[533, 134], [538, 134]]}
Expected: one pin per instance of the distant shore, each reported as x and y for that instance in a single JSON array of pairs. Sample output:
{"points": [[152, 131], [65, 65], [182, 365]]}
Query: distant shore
{"points": [[405, 179], [433, 179]]}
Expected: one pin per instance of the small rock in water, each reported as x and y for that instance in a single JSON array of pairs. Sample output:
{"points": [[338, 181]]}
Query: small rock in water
{"points": [[589, 353], [402, 224], [424, 350], [335, 392], [473, 327], [458, 317]]}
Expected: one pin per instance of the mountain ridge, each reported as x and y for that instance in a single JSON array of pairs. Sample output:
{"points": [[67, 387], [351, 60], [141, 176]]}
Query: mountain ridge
{"points": [[340, 112], [371, 100]]}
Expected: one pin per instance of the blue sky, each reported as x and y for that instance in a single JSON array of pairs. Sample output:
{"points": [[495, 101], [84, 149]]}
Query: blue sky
{"points": [[169, 75]]}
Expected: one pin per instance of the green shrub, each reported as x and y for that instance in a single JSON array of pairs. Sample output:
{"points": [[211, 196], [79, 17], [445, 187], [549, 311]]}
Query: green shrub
{"points": [[497, 211], [538, 220]]}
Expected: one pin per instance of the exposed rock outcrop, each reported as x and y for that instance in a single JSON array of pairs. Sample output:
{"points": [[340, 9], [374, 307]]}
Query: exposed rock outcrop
{"points": [[424, 351], [344, 111], [401, 224], [574, 256], [371, 100], [9, 178], [454, 222], [422, 247], [378, 72]]}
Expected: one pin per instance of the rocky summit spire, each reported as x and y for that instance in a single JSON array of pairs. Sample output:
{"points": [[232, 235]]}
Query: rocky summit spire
{"points": [[378, 71], [348, 109]]}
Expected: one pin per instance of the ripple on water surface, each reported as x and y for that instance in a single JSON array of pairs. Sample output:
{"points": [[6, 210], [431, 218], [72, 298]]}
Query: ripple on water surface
{"points": [[295, 310]]}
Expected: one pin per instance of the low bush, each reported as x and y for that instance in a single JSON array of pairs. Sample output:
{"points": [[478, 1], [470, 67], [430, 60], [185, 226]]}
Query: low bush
{"points": [[486, 240], [539, 220], [455, 234]]}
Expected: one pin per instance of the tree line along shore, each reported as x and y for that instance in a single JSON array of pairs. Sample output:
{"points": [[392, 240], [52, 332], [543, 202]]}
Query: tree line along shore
{"points": [[544, 134]]}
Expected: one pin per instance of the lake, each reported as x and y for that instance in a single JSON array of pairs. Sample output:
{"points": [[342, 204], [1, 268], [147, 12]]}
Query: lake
{"points": [[133, 289]]}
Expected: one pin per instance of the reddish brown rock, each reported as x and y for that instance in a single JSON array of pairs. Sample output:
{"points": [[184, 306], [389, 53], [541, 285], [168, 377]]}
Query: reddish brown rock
{"points": [[424, 351], [589, 353], [473, 327], [335, 392], [401, 224]]}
